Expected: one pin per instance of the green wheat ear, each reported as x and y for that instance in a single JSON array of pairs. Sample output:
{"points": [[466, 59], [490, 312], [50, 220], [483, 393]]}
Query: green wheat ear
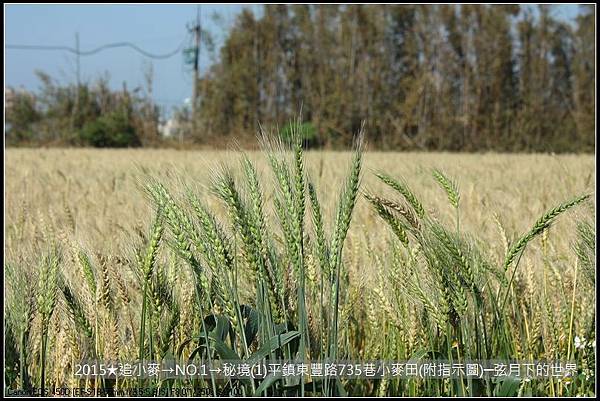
{"points": [[46, 302], [88, 270], [585, 248], [76, 309], [347, 202], [540, 225], [402, 188], [383, 211], [449, 186], [322, 246], [48, 286]]}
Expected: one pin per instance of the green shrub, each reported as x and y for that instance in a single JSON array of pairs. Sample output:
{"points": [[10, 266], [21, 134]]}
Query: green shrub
{"points": [[21, 117], [305, 131], [111, 130]]}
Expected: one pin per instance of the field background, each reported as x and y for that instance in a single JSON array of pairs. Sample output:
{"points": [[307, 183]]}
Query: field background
{"points": [[98, 192]]}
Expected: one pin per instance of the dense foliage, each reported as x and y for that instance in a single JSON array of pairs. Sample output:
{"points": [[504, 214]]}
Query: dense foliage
{"points": [[88, 114], [444, 77]]}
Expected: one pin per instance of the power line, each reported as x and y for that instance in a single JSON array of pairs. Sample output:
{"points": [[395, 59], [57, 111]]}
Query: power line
{"points": [[146, 39], [99, 49]]}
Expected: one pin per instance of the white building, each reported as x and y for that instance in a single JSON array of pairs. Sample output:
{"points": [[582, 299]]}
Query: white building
{"points": [[169, 128]]}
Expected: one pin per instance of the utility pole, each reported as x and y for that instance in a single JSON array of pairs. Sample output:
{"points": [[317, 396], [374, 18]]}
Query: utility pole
{"points": [[78, 57], [197, 30], [77, 89]]}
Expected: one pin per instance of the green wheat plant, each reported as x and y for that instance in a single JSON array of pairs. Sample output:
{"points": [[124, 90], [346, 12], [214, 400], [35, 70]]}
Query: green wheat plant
{"points": [[47, 296], [461, 293], [274, 321]]}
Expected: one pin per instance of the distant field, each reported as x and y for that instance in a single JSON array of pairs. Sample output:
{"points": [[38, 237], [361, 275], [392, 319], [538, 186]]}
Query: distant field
{"points": [[99, 187], [92, 200]]}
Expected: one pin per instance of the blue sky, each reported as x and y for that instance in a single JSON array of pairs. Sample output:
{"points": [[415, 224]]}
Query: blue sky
{"points": [[155, 28]]}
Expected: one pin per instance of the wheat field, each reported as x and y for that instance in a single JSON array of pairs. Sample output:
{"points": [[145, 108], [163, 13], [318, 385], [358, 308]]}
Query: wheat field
{"points": [[101, 249]]}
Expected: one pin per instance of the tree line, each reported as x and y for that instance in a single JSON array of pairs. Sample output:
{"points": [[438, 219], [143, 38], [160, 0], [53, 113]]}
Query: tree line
{"points": [[444, 77]]}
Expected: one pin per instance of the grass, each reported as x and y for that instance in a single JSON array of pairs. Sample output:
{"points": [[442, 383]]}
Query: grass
{"points": [[277, 255]]}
